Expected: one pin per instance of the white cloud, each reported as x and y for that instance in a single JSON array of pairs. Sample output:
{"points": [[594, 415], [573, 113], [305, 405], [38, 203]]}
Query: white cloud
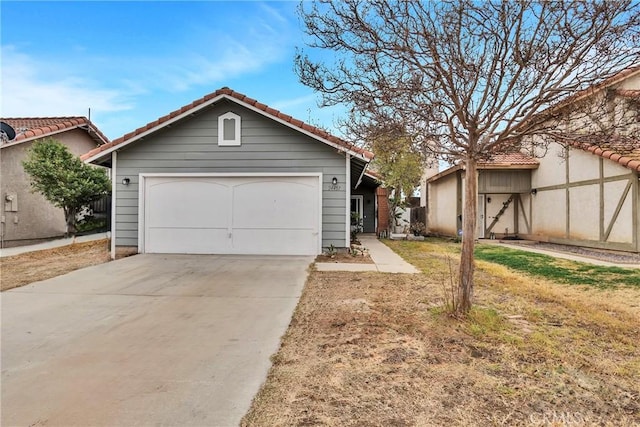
{"points": [[306, 100], [32, 88], [218, 57], [143, 82]]}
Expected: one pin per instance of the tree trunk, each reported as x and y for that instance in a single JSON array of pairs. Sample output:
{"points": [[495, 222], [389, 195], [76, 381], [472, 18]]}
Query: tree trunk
{"points": [[70, 220], [469, 220]]}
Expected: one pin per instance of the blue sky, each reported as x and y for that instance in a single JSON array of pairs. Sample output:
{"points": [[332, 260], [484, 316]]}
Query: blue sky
{"points": [[132, 62]]}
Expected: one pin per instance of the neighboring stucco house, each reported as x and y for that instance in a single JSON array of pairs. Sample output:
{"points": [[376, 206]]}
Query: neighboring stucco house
{"points": [[227, 174], [583, 191], [28, 217], [504, 185]]}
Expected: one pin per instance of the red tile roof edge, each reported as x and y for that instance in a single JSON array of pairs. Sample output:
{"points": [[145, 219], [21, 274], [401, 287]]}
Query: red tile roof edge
{"points": [[625, 161], [527, 162], [509, 159], [241, 98], [628, 93], [61, 124]]}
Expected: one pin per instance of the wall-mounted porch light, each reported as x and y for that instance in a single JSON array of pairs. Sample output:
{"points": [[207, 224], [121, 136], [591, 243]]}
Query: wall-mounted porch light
{"points": [[125, 181], [334, 181]]}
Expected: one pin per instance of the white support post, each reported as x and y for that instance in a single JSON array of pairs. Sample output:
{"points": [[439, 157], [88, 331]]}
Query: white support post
{"points": [[114, 184], [348, 201]]}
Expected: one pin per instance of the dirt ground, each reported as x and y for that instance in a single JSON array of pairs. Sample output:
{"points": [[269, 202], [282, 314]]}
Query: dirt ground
{"points": [[345, 258], [23, 269], [372, 349]]}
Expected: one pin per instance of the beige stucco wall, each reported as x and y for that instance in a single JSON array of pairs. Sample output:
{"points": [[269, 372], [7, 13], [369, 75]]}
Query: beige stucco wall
{"points": [[622, 230], [442, 217], [35, 218], [631, 83], [583, 166], [584, 212], [548, 214], [580, 220], [552, 168]]}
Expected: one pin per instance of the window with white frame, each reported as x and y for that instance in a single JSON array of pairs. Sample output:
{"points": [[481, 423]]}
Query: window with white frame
{"points": [[229, 129]]}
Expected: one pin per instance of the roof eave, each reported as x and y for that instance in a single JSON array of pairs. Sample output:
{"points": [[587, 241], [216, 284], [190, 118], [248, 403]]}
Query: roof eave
{"points": [[82, 126], [496, 166], [508, 166]]}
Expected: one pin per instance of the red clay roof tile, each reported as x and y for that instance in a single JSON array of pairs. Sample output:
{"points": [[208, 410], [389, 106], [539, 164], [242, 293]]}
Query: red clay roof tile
{"points": [[622, 150], [510, 159], [28, 128], [628, 93]]}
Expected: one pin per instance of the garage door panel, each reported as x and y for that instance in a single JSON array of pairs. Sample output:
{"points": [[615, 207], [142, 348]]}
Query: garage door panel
{"points": [[193, 203], [275, 242], [232, 215], [274, 204], [188, 241]]}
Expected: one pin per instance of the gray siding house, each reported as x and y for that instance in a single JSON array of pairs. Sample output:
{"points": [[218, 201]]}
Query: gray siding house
{"points": [[229, 175]]}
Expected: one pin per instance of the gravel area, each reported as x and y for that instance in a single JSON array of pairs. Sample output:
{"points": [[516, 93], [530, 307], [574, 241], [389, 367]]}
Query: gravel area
{"points": [[601, 254]]}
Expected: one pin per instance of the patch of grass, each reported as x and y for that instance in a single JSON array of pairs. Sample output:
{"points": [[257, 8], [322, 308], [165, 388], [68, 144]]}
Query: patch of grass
{"points": [[559, 270], [482, 321]]}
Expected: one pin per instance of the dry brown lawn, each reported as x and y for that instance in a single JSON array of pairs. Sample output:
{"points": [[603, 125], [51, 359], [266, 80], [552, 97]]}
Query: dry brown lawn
{"points": [[20, 270], [373, 349]]}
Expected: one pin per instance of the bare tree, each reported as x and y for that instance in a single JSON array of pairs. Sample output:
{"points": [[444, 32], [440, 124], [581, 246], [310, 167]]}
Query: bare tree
{"points": [[465, 78]]}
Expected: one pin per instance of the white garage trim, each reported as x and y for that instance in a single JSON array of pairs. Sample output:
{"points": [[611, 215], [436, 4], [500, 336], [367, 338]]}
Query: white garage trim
{"points": [[347, 231], [142, 186], [114, 186]]}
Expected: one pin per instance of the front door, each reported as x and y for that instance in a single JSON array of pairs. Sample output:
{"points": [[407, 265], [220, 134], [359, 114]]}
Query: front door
{"points": [[356, 213]]}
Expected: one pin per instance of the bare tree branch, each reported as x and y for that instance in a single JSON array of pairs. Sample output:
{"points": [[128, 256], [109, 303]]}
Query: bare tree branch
{"points": [[463, 78]]}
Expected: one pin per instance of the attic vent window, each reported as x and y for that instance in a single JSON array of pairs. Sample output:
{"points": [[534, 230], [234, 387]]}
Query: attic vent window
{"points": [[229, 129]]}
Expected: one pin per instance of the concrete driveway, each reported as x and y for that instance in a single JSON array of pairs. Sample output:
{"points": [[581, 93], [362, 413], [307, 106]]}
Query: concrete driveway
{"points": [[178, 340]]}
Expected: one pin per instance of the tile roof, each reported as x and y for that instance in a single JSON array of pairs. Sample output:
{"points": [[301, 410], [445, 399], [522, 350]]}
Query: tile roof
{"points": [[629, 93], [514, 160], [238, 97], [509, 159], [624, 151], [28, 128]]}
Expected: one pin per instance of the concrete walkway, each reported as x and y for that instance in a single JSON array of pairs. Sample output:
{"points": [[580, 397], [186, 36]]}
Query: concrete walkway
{"points": [[385, 260], [52, 244]]}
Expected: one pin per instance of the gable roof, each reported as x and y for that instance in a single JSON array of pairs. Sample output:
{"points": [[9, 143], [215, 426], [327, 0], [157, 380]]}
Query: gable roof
{"points": [[30, 128], [514, 161], [597, 88], [238, 98], [622, 150]]}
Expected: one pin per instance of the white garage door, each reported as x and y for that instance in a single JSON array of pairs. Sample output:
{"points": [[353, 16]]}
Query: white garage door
{"points": [[277, 215]]}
